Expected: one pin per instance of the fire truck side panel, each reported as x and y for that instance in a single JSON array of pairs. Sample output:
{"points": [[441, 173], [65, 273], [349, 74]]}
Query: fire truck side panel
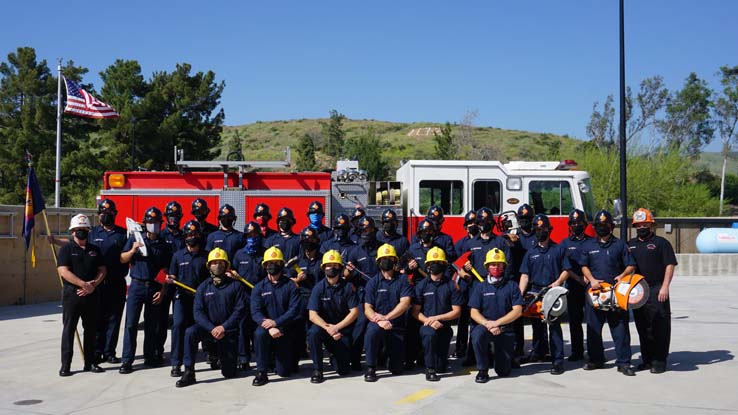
{"points": [[171, 180], [298, 201]]}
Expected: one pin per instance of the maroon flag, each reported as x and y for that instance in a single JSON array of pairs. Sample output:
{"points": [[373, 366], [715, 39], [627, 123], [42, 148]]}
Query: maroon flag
{"points": [[82, 103]]}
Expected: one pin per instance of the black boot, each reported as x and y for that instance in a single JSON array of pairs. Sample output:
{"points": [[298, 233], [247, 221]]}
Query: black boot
{"points": [[370, 375], [175, 372], [125, 369], [64, 371], [94, 368], [557, 369], [431, 375], [482, 376], [317, 377], [187, 379], [260, 379]]}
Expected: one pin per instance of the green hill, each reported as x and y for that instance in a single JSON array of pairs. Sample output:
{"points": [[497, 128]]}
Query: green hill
{"points": [[714, 163], [267, 140]]}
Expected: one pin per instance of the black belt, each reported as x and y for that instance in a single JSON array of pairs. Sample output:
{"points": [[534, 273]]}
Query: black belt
{"points": [[146, 283]]}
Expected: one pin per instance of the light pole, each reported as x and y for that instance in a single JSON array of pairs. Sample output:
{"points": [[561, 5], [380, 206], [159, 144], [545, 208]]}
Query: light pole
{"points": [[623, 173]]}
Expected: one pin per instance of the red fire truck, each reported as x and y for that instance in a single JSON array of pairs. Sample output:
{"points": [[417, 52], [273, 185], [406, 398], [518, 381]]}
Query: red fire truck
{"points": [[457, 186]]}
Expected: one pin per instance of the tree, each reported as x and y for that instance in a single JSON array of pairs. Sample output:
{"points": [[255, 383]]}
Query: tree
{"points": [[306, 154], [445, 149], [334, 134], [687, 126], [726, 118], [600, 130], [367, 149]]}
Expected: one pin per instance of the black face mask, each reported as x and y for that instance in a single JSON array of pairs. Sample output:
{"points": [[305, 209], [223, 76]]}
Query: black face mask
{"points": [[273, 269], [173, 222], [200, 216], [226, 222], [284, 225], [437, 268], [309, 246], [602, 231], [643, 233], [341, 234], [426, 238], [81, 234], [578, 229], [389, 228], [192, 241], [525, 224], [473, 230], [107, 219], [386, 264], [332, 272], [542, 235], [485, 227]]}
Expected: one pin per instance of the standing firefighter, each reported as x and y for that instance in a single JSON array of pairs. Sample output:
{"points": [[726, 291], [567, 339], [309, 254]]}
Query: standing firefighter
{"points": [[200, 211], [219, 306], [655, 260], [81, 267]]}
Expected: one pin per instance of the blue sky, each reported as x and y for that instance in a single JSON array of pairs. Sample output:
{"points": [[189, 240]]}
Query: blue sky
{"points": [[527, 65]]}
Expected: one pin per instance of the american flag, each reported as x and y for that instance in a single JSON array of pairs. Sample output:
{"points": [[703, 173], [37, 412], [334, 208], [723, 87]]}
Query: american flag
{"points": [[82, 103]]}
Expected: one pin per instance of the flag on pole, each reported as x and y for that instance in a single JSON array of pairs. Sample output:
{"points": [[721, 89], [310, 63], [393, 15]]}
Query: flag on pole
{"points": [[34, 205], [82, 103]]}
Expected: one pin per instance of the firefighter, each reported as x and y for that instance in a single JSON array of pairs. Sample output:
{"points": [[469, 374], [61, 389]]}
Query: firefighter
{"points": [[365, 255], [495, 304], [189, 267], [309, 260], [82, 268], [247, 264], [226, 237], [437, 303], [174, 236], [443, 240], [655, 260], [262, 216], [275, 307], [333, 309], [606, 259], [576, 283], [220, 303], [389, 234], [341, 240], [201, 211], [315, 214], [387, 297], [358, 214], [544, 266], [521, 239], [110, 238], [286, 240], [461, 247], [144, 292]]}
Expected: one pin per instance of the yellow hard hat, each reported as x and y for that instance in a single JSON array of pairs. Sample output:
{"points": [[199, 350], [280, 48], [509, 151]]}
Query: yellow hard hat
{"points": [[495, 255], [385, 251], [272, 254], [436, 254], [218, 254], [332, 257]]}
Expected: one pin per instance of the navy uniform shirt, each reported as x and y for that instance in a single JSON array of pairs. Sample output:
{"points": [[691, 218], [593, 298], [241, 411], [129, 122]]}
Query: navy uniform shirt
{"points": [[278, 301], [399, 242], [495, 301], [229, 241], [519, 248], [311, 268], [289, 244], [111, 243], [365, 261], [384, 295], [324, 233], [147, 267], [480, 247], [574, 248], [266, 234], [333, 302], [463, 245], [437, 297], [222, 305], [544, 265], [447, 244], [344, 247], [207, 229], [176, 240], [652, 256], [249, 266], [608, 260], [189, 268], [83, 262]]}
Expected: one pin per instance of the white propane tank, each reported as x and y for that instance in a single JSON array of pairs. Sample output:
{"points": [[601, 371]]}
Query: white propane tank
{"points": [[717, 241]]}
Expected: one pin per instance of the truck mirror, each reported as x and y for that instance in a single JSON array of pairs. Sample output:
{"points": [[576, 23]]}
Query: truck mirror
{"points": [[617, 214]]}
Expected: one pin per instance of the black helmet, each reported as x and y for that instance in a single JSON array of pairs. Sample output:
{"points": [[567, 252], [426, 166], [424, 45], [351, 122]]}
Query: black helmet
{"points": [[262, 209], [435, 213], [484, 215], [577, 216], [173, 208], [541, 221], [192, 228], [341, 222], [427, 225], [359, 213], [470, 217], [252, 227], [603, 217], [226, 211], [200, 206], [389, 215], [107, 206], [152, 215], [309, 235], [286, 214], [366, 223], [525, 211], [316, 207]]}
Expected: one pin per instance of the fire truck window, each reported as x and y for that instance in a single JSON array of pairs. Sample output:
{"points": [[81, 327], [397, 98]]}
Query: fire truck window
{"points": [[449, 194], [550, 197], [486, 194]]}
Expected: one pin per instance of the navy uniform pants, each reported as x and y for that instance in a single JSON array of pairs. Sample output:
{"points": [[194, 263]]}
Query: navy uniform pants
{"points": [[113, 300], [283, 348], [653, 322], [183, 318], [164, 307], [545, 335], [339, 349], [394, 340], [435, 346], [140, 296], [575, 309], [357, 335], [504, 344], [246, 329], [618, 322], [227, 348], [75, 307]]}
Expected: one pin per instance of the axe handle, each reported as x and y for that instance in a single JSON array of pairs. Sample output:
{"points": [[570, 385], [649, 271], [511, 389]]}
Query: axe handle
{"points": [[184, 286]]}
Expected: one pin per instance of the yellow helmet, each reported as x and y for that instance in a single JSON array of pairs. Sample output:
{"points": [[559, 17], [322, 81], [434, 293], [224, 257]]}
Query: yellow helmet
{"points": [[332, 257], [495, 255], [436, 254], [218, 254], [272, 254], [385, 251]]}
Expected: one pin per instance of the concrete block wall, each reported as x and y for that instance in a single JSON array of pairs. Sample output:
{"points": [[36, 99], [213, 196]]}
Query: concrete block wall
{"points": [[699, 265]]}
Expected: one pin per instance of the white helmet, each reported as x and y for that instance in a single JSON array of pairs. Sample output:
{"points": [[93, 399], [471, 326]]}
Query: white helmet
{"points": [[79, 221]]}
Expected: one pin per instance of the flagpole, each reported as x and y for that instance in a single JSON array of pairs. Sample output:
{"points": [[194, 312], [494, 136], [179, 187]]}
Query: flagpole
{"points": [[57, 180]]}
